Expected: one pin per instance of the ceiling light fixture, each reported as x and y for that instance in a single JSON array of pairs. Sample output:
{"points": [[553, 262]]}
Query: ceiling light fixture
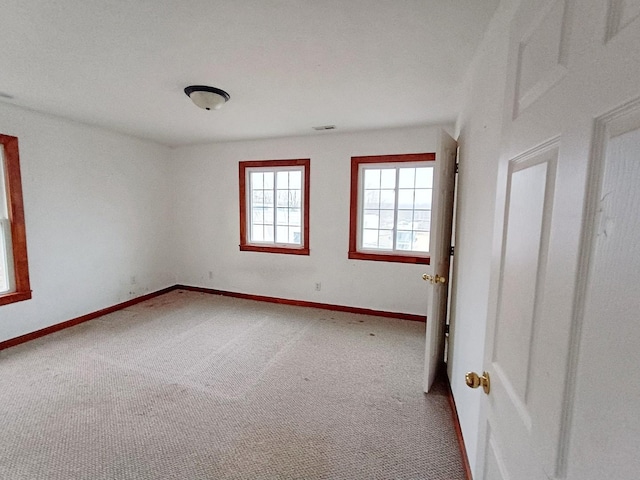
{"points": [[209, 98]]}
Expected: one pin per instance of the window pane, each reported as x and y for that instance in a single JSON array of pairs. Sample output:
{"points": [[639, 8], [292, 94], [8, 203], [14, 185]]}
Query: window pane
{"points": [[4, 200], [370, 219], [268, 233], [295, 198], [294, 217], [282, 216], [407, 176], [285, 227], [405, 220], [424, 177], [423, 198], [388, 178], [295, 235], [385, 239], [268, 216], [421, 241], [422, 220], [257, 233], [257, 198], [386, 219], [372, 178], [405, 199], [257, 182], [372, 199], [268, 180], [295, 179], [282, 180], [282, 234], [7, 275], [387, 199], [283, 198], [403, 240], [370, 238], [4, 274]]}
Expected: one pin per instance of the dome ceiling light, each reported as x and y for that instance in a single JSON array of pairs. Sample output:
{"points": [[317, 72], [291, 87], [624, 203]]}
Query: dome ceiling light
{"points": [[208, 98]]}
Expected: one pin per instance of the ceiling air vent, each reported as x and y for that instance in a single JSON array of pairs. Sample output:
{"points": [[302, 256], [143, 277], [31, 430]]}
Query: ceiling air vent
{"points": [[325, 127]]}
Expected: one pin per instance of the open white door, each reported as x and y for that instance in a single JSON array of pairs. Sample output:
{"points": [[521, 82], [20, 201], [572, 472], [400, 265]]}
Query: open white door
{"points": [[561, 349], [440, 244]]}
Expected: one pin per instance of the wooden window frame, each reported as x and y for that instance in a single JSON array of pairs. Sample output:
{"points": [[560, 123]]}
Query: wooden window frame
{"points": [[16, 220], [245, 245], [354, 253]]}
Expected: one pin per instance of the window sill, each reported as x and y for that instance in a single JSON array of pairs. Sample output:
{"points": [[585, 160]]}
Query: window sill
{"points": [[13, 297], [266, 249], [380, 257]]}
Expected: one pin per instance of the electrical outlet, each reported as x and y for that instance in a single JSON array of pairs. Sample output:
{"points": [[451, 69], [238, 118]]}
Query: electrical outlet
{"points": [[210, 275], [318, 286]]}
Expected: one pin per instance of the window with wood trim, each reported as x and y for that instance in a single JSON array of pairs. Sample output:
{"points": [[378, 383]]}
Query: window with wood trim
{"points": [[274, 206], [14, 270], [391, 198]]}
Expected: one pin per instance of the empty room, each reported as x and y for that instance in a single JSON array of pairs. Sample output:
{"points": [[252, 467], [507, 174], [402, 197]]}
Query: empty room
{"points": [[293, 239]]}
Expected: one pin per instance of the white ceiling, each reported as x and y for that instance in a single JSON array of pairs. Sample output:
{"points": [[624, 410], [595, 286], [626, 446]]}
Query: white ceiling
{"points": [[288, 65]]}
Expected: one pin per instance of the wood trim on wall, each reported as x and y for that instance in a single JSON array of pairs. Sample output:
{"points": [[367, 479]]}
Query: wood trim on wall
{"points": [[267, 249], [458, 430], [304, 303], [400, 158], [84, 318], [283, 301], [376, 257], [17, 222]]}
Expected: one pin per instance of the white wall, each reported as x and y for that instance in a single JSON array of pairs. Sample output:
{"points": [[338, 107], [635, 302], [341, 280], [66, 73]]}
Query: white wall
{"points": [[98, 211], [479, 129], [206, 185]]}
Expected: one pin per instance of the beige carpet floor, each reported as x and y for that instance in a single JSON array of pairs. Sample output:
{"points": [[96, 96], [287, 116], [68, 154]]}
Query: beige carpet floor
{"points": [[196, 386]]}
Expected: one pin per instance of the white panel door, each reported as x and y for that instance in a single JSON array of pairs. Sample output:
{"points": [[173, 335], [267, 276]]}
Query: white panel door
{"points": [[440, 241], [607, 396], [563, 321]]}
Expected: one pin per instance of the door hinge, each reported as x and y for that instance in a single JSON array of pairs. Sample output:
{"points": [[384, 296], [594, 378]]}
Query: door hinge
{"points": [[446, 329], [451, 250], [457, 167]]}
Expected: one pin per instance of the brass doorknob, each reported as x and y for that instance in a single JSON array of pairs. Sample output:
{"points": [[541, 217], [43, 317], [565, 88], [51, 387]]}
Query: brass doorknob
{"points": [[474, 381], [434, 279]]}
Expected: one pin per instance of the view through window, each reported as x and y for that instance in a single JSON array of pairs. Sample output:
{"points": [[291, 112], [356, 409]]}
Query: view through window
{"points": [[397, 208], [276, 206]]}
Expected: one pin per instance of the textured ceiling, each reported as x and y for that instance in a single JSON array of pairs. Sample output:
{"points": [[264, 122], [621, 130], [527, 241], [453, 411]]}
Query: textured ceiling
{"points": [[289, 65]]}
